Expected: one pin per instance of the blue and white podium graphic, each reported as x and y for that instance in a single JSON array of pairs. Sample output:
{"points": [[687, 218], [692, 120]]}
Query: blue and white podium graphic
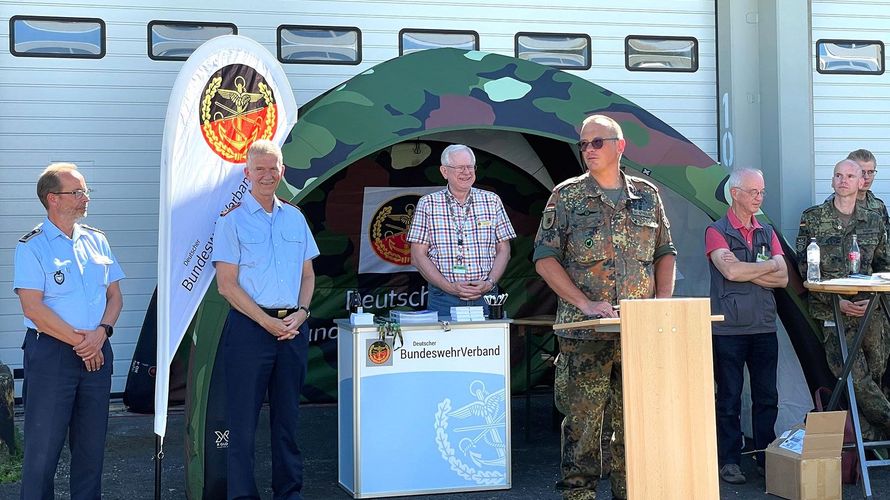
{"points": [[430, 416]]}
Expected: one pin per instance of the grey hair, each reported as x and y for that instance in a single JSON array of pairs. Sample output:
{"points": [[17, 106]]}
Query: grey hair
{"points": [[455, 148], [738, 173], [606, 122], [263, 147]]}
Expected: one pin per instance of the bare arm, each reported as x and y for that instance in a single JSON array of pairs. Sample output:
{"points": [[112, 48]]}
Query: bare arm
{"points": [[777, 278], [46, 320], [665, 274], [91, 346], [735, 270], [559, 281], [501, 258], [227, 282], [421, 260], [307, 289]]}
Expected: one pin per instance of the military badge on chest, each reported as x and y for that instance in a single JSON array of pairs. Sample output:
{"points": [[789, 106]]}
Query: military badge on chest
{"points": [[59, 277]]}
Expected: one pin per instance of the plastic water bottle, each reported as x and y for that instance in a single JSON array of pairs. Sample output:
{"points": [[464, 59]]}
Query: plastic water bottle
{"points": [[853, 257], [814, 256]]}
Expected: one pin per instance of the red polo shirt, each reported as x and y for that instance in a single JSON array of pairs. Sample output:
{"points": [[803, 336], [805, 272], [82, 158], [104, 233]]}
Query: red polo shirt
{"points": [[715, 240]]}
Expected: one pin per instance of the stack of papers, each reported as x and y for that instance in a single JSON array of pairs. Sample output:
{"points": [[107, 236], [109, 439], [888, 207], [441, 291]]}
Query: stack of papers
{"points": [[467, 313], [414, 317]]}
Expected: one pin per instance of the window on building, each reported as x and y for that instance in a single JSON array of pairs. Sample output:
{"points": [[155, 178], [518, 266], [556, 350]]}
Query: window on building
{"points": [[865, 57], [560, 50], [661, 53], [319, 45], [38, 36], [176, 40], [415, 40]]}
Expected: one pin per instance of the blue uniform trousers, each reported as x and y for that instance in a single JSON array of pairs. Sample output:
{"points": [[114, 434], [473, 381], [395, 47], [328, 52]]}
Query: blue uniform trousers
{"points": [[61, 397], [731, 353], [255, 361]]}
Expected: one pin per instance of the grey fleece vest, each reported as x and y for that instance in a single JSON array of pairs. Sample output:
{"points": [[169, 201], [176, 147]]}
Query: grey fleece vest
{"points": [[748, 308]]}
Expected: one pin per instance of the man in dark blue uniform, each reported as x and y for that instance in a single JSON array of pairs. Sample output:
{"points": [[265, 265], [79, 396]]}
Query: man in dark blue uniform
{"points": [[67, 281], [263, 253]]}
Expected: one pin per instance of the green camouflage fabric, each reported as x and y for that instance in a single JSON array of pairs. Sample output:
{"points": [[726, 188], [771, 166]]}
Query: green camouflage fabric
{"points": [[868, 371], [608, 251], [588, 376], [876, 204], [834, 240]]}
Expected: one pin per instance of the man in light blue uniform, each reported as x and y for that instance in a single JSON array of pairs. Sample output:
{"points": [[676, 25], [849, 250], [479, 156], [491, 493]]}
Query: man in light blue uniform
{"points": [[67, 281], [263, 253]]}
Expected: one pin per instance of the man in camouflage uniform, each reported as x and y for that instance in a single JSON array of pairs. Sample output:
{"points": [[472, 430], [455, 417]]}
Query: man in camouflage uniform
{"points": [[867, 161], [603, 237], [833, 224]]}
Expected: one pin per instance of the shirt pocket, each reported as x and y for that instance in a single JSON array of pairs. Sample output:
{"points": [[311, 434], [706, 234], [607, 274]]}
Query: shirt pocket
{"points": [[254, 249], [58, 280], [586, 243], [293, 244], [98, 269], [644, 228]]}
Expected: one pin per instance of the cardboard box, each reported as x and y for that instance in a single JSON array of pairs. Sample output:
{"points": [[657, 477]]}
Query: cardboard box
{"points": [[805, 462]]}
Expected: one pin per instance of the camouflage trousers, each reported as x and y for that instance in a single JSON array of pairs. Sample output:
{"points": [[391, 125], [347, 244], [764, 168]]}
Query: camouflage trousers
{"points": [[588, 375], [868, 371]]}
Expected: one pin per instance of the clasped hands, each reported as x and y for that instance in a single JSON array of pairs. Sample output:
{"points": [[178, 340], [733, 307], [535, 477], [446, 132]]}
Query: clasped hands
{"points": [[856, 309], [90, 347], [469, 290], [286, 328]]}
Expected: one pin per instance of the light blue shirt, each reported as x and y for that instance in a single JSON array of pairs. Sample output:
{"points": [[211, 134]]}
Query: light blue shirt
{"points": [[73, 273], [269, 251]]}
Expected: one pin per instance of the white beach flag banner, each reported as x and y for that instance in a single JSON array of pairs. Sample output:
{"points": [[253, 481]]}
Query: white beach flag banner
{"points": [[229, 93], [386, 217]]}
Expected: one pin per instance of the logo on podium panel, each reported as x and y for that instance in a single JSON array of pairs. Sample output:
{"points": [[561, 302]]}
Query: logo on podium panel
{"points": [[479, 430]]}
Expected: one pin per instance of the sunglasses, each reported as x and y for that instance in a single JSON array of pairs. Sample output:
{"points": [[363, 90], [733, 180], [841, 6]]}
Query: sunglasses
{"points": [[595, 144]]}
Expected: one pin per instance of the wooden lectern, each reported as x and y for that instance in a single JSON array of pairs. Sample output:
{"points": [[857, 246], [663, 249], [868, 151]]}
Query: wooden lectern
{"points": [[668, 384]]}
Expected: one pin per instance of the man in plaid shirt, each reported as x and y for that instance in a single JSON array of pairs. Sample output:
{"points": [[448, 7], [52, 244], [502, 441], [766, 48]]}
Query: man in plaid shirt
{"points": [[460, 236]]}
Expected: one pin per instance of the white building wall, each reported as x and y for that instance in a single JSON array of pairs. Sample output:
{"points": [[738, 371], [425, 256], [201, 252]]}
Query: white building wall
{"points": [[850, 111], [107, 115]]}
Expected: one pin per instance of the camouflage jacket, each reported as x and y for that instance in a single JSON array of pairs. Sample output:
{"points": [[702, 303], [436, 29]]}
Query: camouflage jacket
{"points": [[834, 240], [608, 250]]}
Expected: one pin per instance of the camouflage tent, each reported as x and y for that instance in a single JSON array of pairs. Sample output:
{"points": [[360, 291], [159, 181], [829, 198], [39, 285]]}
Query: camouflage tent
{"points": [[386, 127]]}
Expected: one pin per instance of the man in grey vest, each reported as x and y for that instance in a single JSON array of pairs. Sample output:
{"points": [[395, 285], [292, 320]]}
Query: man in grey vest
{"points": [[746, 263]]}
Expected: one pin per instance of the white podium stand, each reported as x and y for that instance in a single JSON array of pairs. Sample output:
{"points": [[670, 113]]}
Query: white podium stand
{"points": [[432, 416]]}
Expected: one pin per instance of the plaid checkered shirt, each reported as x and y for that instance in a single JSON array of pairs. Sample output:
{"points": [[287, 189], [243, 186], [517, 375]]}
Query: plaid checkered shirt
{"points": [[437, 222]]}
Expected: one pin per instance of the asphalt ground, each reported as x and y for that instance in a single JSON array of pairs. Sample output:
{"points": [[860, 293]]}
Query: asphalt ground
{"points": [[129, 469]]}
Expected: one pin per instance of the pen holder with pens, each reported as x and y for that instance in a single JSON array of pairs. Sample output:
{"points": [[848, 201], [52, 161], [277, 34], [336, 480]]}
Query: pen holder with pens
{"points": [[496, 305]]}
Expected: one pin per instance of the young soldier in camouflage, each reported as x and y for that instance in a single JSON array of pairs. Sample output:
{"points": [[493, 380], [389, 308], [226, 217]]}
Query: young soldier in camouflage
{"points": [[833, 224], [603, 237]]}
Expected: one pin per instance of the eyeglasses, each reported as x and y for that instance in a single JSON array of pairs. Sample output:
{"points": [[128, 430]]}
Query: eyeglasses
{"points": [[463, 168], [78, 193], [869, 173], [597, 143], [754, 193]]}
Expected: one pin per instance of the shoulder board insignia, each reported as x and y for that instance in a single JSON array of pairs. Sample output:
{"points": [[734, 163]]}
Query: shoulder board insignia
{"points": [[34, 232], [642, 181], [282, 200], [91, 228], [229, 210], [567, 182]]}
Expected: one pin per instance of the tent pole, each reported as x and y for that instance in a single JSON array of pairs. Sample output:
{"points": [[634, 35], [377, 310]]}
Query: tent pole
{"points": [[159, 457]]}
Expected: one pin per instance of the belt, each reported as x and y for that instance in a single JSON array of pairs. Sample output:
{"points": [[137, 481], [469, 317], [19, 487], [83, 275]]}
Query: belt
{"points": [[279, 313]]}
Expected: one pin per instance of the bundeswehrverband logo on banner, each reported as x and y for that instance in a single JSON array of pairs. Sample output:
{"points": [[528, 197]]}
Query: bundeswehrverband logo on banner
{"points": [[229, 93], [386, 215]]}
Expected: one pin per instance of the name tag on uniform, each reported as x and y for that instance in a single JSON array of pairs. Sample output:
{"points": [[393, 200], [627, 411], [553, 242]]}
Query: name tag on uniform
{"points": [[459, 269], [483, 223]]}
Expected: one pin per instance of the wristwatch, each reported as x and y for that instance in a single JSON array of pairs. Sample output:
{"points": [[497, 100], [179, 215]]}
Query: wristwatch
{"points": [[305, 308], [109, 330]]}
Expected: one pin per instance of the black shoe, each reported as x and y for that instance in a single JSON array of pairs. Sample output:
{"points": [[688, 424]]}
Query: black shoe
{"points": [[732, 474]]}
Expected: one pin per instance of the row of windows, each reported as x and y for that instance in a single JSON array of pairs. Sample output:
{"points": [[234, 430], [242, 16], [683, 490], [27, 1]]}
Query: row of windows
{"points": [[37, 36]]}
